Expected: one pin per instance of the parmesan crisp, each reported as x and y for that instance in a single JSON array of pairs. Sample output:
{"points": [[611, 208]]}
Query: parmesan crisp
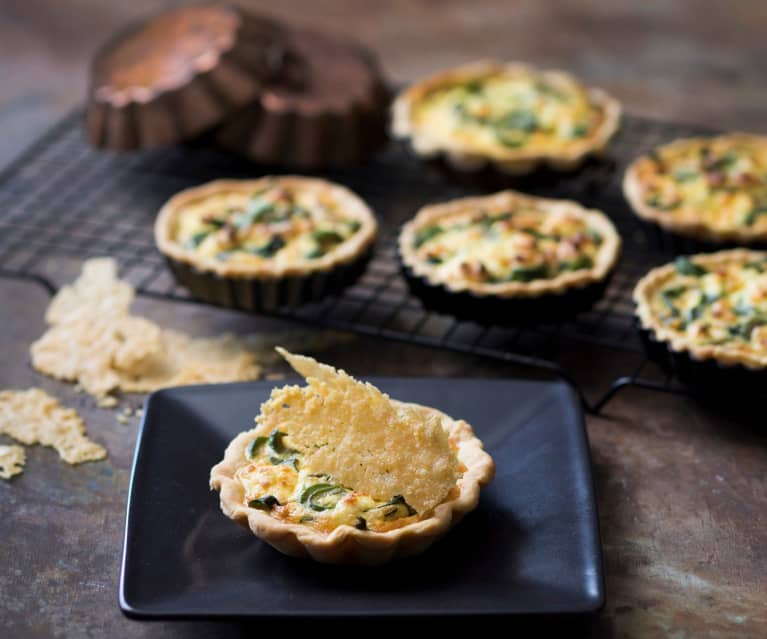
{"points": [[12, 459], [359, 436], [94, 341], [34, 417]]}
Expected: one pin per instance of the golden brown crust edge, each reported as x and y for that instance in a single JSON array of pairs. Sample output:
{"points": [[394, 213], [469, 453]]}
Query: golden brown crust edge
{"points": [[680, 343], [344, 253], [607, 257], [511, 161], [633, 191], [345, 544]]}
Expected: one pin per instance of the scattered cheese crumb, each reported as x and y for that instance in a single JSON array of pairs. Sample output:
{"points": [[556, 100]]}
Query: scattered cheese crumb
{"points": [[355, 433], [12, 460], [272, 377], [34, 417]]}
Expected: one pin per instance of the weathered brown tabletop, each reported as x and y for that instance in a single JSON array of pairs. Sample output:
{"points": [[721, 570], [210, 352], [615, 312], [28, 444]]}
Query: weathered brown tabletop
{"points": [[682, 491]]}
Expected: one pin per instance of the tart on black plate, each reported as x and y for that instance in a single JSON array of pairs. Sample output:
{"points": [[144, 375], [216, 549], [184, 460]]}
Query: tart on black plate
{"points": [[704, 318], [338, 472], [509, 257], [261, 244]]}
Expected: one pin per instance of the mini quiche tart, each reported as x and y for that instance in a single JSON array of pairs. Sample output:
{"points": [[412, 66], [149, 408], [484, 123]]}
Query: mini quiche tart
{"points": [[261, 244], [704, 318], [710, 189], [511, 116], [508, 257], [338, 472]]}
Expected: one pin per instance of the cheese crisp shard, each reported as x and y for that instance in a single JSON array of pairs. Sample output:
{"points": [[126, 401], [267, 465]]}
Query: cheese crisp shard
{"points": [[33, 417], [12, 459], [353, 432], [94, 341]]}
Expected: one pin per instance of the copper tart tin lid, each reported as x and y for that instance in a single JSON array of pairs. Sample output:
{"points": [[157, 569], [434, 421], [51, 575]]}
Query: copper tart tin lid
{"points": [[327, 108], [173, 76]]}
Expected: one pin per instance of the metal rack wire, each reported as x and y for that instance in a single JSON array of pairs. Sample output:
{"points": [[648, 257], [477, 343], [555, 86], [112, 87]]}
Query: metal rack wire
{"points": [[62, 199]]}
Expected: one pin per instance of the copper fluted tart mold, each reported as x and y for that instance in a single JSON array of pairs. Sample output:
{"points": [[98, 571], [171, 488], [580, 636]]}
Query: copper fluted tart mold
{"points": [[328, 107], [173, 76]]}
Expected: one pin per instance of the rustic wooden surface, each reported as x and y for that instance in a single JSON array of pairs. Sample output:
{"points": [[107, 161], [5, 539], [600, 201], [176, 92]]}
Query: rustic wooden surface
{"points": [[682, 491]]}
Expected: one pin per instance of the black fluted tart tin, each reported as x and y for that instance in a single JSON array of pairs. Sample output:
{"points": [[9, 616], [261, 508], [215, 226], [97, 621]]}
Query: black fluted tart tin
{"points": [[268, 294], [510, 311], [172, 76], [707, 379]]}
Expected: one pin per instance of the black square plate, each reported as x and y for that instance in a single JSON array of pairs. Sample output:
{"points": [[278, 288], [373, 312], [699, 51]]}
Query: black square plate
{"points": [[532, 546]]}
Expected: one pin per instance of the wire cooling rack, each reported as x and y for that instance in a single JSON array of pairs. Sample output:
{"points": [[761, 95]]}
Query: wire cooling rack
{"points": [[62, 199]]}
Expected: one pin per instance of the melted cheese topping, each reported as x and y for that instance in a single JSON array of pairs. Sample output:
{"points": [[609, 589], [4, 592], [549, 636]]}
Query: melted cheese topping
{"points": [[720, 182], [723, 304], [339, 451], [277, 224], [510, 109], [501, 245]]}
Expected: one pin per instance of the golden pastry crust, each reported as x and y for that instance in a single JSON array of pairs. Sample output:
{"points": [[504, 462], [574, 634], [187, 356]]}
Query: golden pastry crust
{"points": [[508, 159], [721, 186], [603, 262], [346, 544], [740, 268], [344, 252]]}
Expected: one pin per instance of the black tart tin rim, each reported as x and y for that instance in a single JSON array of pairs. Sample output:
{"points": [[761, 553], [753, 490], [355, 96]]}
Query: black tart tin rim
{"points": [[268, 294], [507, 311], [706, 379]]}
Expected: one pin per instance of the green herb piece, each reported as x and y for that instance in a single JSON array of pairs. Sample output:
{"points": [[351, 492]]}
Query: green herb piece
{"points": [[487, 220], [528, 273], [354, 225], [756, 266], [656, 202], [254, 446], [579, 131], [395, 508], [724, 162], [276, 443], [685, 266], [426, 234], [473, 87], [327, 237], [594, 236], [322, 496], [255, 211], [582, 261], [324, 240], [305, 519], [264, 503], [197, 239], [519, 120], [215, 222], [510, 138], [685, 175], [536, 233], [669, 295], [433, 259], [279, 454], [270, 249], [315, 253], [696, 311], [754, 214]]}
